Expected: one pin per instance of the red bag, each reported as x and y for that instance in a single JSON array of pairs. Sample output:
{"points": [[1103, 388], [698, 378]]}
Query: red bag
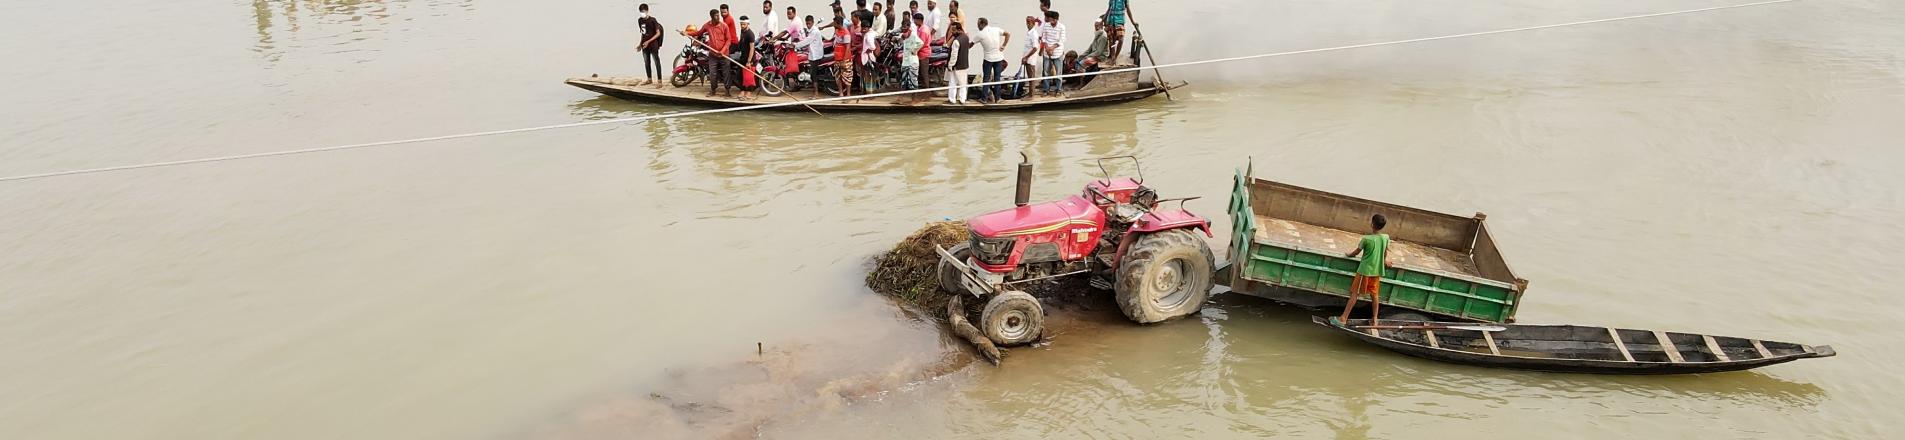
{"points": [[747, 76]]}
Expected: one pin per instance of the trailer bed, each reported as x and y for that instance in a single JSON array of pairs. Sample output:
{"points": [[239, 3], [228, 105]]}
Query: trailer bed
{"points": [[1289, 244], [1280, 232]]}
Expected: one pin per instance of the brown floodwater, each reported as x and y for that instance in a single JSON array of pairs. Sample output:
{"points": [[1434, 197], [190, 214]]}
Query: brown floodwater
{"points": [[1734, 172]]}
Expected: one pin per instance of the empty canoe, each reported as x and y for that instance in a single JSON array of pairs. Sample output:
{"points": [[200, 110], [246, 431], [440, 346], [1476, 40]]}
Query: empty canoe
{"points": [[1577, 349]]}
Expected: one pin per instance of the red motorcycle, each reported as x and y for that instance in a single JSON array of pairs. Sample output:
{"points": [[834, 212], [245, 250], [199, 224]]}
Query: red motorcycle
{"points": [[781, 66], [690, 65]]}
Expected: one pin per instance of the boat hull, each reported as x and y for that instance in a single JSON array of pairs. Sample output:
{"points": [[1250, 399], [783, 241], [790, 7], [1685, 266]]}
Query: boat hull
{"points": [[1577, 355], [1108, 89]]}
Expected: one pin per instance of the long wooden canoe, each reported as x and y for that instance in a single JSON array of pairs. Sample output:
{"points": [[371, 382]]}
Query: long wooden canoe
{"points": [[1578, 349], [1106, 89]]}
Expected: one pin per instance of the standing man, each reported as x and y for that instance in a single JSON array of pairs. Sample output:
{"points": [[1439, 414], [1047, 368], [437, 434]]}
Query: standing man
{"points": [[935, 18], [992, 41], [744, 54], [865, 16], [961, 48], [794, 26], [1114, 28], [912, 8], [717, 33], [815, 43], [1375, 256], [925, 51], [892, 16], [879, 25], [909, 60], [843, 56], [771, 25], [1052, 42], [734, 32], [651, 47], [1028, 64]]}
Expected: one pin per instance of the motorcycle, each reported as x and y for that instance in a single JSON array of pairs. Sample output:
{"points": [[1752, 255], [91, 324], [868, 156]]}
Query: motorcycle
{"points": [[690, 65], [783, 65]]}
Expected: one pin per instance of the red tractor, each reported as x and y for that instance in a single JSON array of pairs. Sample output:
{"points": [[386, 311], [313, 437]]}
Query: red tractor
{"points": [[1114, 232]]}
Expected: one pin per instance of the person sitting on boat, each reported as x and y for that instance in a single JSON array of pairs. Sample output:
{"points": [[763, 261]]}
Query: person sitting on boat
{"points": [[1099, 52], [1374, 249], [716, 33]]}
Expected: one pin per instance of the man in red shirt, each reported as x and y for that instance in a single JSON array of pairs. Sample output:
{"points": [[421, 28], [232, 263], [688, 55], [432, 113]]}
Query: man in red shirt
{"points": [[734, 32], [719, 39]]}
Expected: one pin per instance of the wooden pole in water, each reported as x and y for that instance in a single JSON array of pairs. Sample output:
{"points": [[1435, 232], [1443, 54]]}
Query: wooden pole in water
{"points": [[1137, 37]]}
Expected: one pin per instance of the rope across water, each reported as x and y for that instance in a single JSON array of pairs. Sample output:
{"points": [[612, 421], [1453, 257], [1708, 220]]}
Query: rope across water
{"points": [[684, 114]]}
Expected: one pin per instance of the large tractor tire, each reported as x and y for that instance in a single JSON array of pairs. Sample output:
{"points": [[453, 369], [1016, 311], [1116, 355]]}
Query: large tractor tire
{"points": [[949, 276], [1165, 275], [1012, 318]]}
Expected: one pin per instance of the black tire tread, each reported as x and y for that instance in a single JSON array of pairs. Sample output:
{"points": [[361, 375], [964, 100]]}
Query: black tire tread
{"points": [[1129, 286]]}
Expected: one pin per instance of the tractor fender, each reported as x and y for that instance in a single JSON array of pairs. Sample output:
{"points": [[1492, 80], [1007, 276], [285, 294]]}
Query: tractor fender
{"points": [[1164, 220]]}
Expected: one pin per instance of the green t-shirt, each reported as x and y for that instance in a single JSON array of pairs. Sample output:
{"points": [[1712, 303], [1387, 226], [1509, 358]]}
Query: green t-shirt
{"points": [[1374, 246]]}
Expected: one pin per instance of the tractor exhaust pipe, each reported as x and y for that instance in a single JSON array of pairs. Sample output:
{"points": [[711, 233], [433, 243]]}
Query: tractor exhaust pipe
{"points": [[1024, 194]]}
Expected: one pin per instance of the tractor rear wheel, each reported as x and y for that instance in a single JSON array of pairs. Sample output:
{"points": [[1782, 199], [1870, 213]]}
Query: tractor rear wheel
{"points": [[949, 277], [1165, 275], [1012, 318]]}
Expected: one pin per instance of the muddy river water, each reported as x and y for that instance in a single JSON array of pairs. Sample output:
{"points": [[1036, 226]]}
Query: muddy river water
{"points": [[1734, 172]]}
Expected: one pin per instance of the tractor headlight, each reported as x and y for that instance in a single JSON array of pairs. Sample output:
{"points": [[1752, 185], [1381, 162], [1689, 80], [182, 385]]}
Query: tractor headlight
{"points": [[992, 250]]}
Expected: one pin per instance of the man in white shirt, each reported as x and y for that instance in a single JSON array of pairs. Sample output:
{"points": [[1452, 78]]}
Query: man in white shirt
{"points": [[992, 41], [771, 24], [1028, 64], [935, 19], [1052, 45], [879, 25]]}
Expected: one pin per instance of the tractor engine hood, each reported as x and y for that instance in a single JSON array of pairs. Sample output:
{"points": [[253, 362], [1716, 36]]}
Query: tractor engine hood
{"points": [[1035, 218]]}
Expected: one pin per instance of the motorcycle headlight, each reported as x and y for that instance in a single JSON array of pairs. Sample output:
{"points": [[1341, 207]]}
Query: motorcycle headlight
{"points": [[992, 250]]}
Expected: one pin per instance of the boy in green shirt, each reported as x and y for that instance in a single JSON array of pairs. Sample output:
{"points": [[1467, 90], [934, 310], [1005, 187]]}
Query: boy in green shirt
{"points": [[1375, 256]]}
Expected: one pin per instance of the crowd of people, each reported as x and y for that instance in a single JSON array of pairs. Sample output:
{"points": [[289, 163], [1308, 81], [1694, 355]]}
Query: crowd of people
{"points": [[854, 49]]}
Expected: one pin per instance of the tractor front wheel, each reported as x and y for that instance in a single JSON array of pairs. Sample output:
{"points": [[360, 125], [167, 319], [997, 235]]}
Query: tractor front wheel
{"points": [[1012, 318], [950, 281], [1165, 275]]}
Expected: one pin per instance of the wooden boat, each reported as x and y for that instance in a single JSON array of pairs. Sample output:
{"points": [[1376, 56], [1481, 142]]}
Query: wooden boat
{"points": [[1109, 88], [1577, 349]]}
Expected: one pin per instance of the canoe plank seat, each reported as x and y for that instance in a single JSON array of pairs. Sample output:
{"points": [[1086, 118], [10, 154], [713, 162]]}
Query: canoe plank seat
{"points": [[1666, 345], [1714, 346], [1490, 337], [1763, 352], [1432, 342], [1620, 345]]}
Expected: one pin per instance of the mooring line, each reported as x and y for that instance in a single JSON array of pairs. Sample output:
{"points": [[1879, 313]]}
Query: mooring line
{"points": [[684, 114]]}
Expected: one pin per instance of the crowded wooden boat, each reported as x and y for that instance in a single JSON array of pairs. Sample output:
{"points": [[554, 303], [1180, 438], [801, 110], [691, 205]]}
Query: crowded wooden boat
{"points": [[870, 57]]}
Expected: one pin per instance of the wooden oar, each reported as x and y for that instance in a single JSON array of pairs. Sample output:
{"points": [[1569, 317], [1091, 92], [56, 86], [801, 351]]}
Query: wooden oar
{"points": [[1479, 328], [757, 74], [1138, 32]]}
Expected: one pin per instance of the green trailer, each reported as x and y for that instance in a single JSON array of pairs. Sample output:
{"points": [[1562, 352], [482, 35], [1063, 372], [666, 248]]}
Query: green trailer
{"points": [[1289, 244]]}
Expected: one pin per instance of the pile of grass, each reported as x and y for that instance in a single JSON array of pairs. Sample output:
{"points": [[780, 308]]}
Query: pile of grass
{"points": [[908, 272]]}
